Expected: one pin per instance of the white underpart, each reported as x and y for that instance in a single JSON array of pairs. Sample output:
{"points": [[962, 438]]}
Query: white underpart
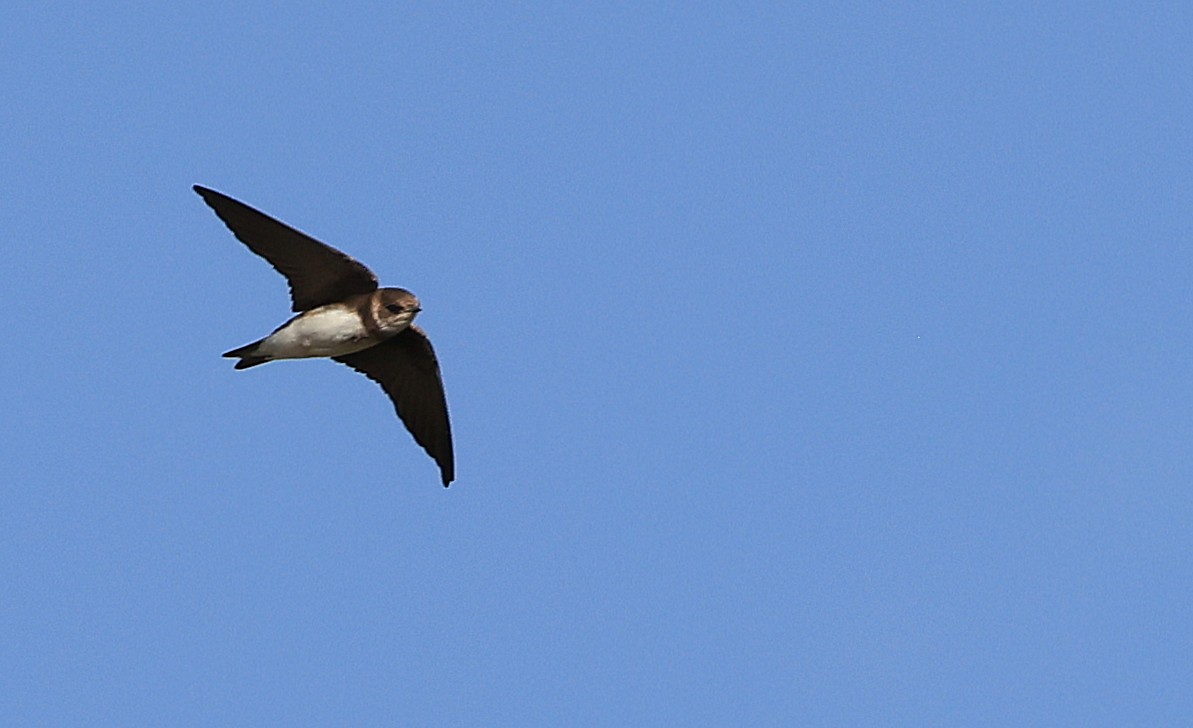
{"points": [[330, 331]]}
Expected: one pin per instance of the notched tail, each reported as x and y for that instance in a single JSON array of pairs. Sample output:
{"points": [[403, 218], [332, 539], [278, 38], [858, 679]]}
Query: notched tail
{"points": [[246, 354]]}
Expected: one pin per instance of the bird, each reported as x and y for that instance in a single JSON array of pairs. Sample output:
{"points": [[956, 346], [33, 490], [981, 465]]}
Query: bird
{"points": [[343, 314]]}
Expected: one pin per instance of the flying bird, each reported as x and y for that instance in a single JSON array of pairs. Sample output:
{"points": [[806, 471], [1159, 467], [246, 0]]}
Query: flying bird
{"points": [[344, 315]]}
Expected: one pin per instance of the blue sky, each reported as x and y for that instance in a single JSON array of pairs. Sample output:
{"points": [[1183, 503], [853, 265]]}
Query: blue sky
{"points": [[823, 364]]}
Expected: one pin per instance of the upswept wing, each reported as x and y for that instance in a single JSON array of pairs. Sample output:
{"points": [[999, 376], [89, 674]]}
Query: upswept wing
{"points": [[318, 273]]}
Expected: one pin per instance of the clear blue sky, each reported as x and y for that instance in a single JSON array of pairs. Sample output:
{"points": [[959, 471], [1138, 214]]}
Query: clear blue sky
{"points": [[820, 365]]}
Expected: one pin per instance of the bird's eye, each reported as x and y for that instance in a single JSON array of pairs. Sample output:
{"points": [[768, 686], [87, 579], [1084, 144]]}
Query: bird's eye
{"points": [[394, 308]]}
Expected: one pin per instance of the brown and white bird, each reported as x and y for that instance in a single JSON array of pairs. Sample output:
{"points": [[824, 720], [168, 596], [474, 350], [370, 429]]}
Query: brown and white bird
{"points": [[344, 315]]}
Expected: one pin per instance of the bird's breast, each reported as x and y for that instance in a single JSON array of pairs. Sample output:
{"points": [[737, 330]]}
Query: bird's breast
{"points": [[327, 331]]}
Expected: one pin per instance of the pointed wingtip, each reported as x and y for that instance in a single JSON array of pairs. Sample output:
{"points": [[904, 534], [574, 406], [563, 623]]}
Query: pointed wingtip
{"points": [[250, 361]]}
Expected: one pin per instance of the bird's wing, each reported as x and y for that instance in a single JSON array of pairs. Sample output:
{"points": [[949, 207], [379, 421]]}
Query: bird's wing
{"points": [[406, 368], [318, 273]]}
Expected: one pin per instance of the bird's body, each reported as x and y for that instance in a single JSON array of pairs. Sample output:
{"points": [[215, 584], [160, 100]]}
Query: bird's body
{"points": [[335, 329], [331, 330], [344, 315]]}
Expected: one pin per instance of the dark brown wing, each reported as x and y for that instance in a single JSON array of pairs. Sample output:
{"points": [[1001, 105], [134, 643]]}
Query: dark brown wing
{"points": [[406, 368], [318, 273]]}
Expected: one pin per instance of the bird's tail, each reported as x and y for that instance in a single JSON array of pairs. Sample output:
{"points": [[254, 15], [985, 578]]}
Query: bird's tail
{"points": [[247, 355]]}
